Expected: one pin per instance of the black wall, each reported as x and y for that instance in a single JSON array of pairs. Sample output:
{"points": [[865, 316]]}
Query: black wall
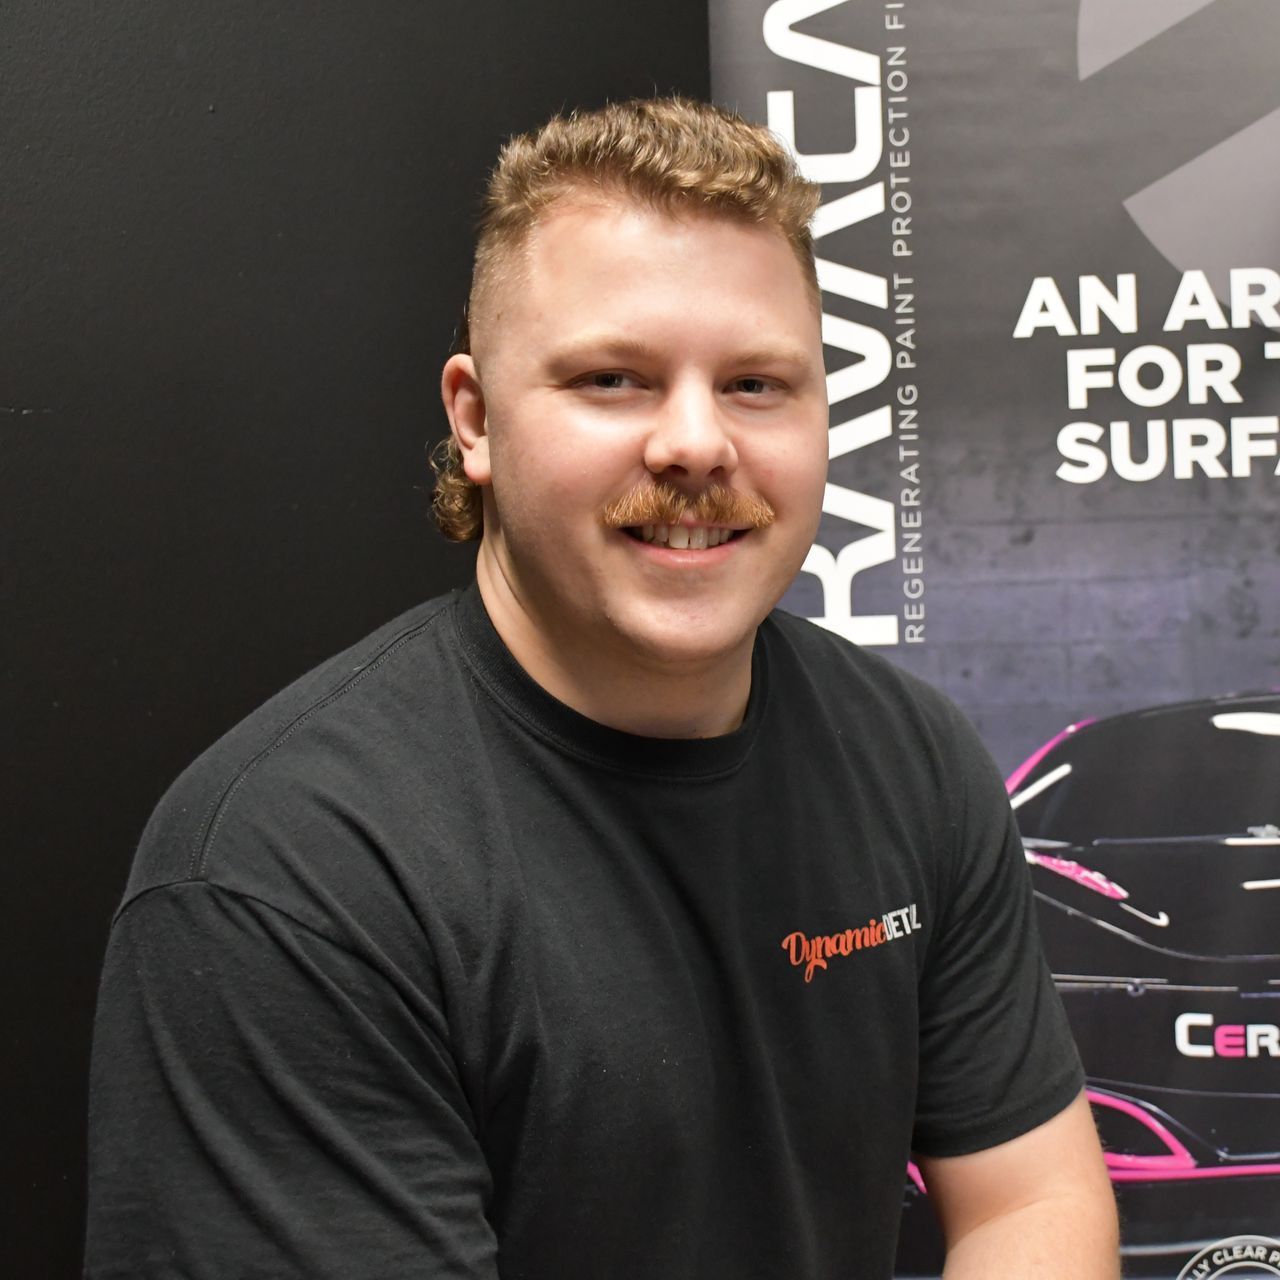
{"points": [[234, 240]]}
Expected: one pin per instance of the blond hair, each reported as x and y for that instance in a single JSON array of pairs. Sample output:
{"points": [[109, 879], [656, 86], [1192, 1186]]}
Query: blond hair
{"points": [[672, 154]]}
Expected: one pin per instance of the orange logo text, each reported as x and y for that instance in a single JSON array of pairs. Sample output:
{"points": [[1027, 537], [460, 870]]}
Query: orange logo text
{"points": [[814, 952]]}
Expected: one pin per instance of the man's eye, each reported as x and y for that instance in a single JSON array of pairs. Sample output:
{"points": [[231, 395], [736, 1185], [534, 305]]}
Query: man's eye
{"points": [[753, 386], [607, 380]]}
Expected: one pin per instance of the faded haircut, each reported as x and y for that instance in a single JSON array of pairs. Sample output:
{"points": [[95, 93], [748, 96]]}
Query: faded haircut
{"points": [[672, 154]]}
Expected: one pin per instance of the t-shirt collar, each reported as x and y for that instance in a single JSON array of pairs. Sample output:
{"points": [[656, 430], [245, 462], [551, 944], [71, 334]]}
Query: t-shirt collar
{"points": [[577, 735]]}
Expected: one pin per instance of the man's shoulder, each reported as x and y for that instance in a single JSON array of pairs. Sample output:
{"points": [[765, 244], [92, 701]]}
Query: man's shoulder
{"points": [[890, 723], [333, 737], [857, 679]]}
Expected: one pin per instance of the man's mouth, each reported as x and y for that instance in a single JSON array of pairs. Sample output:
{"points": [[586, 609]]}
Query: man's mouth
{"points": [[681, 537]]}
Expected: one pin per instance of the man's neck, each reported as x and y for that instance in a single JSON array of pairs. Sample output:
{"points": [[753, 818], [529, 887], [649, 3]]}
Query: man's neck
{"points": [[632, 692]]}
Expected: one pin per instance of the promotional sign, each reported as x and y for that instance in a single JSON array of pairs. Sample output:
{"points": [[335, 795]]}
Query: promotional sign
{"points": [[1049, 253]]}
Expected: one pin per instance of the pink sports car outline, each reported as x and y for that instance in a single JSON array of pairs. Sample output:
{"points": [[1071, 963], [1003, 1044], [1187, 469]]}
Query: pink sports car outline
{"points": [[1176, 1163], [1174, 1155]]}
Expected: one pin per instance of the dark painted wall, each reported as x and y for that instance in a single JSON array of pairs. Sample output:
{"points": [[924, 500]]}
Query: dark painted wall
{"points": [[234, 239]]}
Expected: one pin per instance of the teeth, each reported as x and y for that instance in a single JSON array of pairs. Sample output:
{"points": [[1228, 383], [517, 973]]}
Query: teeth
{"points": [[682, 537]]}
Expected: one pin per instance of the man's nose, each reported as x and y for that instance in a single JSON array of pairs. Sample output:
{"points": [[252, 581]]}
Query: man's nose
{"points": [[690, 440]]}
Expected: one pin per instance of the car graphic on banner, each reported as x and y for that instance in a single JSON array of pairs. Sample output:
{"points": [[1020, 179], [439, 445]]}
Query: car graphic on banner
{"points": [[1153, 839]]}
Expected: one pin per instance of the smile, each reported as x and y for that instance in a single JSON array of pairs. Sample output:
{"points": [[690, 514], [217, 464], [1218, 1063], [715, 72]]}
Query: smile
{"points": [[683, 538]]}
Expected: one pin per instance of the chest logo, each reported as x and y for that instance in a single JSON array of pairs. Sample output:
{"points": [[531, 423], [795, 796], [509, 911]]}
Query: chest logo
{"points": [[814, 952]]}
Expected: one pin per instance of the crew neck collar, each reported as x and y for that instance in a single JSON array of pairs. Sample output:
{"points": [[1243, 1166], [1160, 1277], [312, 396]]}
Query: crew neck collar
{"points": [[677, 759]]}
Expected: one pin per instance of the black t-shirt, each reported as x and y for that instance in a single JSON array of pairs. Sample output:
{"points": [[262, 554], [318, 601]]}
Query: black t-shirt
{"points": [[420, 973]]}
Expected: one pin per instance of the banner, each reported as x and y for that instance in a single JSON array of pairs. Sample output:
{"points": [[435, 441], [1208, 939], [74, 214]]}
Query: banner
{"points": [[1049, 249]]}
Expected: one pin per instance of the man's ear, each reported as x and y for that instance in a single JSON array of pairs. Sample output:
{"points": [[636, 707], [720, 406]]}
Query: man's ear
{"points": [[463, 398]]}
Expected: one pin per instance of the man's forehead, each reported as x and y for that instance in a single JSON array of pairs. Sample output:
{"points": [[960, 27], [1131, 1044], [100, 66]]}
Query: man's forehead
{"points": [[574, 239]]}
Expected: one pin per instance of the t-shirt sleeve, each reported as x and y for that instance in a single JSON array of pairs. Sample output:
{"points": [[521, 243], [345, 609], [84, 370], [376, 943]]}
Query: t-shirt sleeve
{"points": [[266, 1103], [996, 1054]]}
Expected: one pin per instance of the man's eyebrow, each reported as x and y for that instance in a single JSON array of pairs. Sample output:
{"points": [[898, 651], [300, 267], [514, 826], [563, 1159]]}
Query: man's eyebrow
{"points": [[620, 347], [609, 346], [785, 355]]}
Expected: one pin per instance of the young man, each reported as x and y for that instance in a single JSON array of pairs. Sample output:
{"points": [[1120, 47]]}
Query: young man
{"points": [[597, 921]]}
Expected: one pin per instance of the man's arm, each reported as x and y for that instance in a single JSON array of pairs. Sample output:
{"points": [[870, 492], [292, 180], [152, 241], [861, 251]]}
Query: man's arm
{"points": [[1036, 1208], [267, 1102]]}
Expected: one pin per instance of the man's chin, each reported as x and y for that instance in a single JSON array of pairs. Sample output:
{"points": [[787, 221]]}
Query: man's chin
{"points": [[681, 640]]}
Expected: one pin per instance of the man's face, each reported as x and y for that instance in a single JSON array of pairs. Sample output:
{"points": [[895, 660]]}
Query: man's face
{"points": [[634, 350]]}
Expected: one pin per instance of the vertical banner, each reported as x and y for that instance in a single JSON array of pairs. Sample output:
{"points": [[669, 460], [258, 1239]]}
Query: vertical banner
{"points": [[1049, 253]]}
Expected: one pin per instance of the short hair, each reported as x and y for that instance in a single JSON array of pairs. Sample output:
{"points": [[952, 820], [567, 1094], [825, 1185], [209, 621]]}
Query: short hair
{"points": [[673, 154]]}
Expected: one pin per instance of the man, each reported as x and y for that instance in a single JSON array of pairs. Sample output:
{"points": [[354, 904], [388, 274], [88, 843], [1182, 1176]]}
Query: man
{"points": [[595, 921]]}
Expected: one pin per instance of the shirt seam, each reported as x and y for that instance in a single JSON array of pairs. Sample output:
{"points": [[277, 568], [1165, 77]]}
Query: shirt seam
{"points": [[553, 739], [242, 895], [940, 1134], [312, 930], [207, 830]]}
